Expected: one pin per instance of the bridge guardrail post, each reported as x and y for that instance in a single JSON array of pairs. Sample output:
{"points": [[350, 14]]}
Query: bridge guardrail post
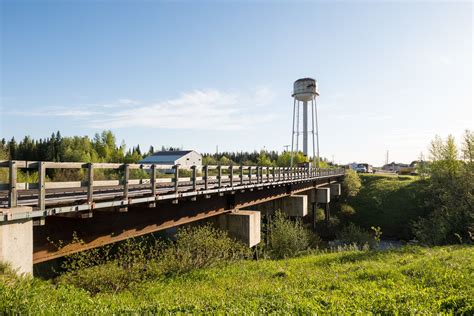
{"points": [[194, 177], [153, 179], [257, 173], [126, 178], [231, 175], [13, 193], [273, 174], [90, 183], [219, 176], [41, 186], [206, 177], [268, 174], [241, 175], [176, 178]]}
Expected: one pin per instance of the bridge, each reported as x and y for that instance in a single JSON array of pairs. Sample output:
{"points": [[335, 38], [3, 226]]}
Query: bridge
{"points": [[145, 198]]}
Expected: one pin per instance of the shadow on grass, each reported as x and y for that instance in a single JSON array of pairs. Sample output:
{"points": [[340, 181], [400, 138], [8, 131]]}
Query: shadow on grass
{"points": [[370, 255]]}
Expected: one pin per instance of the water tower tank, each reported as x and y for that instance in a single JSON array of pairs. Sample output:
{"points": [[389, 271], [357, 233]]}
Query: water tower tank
{"points": [[305, 89]]}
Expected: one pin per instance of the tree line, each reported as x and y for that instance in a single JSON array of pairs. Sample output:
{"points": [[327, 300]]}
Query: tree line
{"points": [[103, 148]]}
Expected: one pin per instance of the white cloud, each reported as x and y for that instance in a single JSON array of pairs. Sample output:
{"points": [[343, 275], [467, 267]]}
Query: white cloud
{"points": [[199, 109], [264, 96], [128, 101], [445, 60], [57, 112]]}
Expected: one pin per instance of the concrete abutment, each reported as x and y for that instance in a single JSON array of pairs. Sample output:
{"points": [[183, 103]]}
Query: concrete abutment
{"points": [[16, 241]]}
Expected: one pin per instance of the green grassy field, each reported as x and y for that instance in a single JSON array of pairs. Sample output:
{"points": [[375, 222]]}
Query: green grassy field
{"points": [[391, 202], [406, 280]]}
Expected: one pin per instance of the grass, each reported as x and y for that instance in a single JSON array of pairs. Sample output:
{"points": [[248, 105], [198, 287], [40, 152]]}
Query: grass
{"points": [[391, 202], [406, 280]]}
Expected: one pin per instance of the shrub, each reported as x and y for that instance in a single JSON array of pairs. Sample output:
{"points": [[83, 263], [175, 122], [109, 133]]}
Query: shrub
{"points": [[353, 234], [198, 247], [110, 277], [287, 238], [320, 215], [347, 210], [136, 260]]}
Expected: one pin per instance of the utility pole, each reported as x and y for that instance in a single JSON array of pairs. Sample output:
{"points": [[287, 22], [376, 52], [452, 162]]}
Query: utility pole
{"points": [[286, 147]]}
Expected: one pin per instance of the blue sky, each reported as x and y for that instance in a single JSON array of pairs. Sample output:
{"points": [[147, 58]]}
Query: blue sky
{"points": [[392, 75]]}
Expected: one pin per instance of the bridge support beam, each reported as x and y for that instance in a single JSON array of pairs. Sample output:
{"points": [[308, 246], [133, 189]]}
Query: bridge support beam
{"points": [[16, 240], [294, 206], [242, 225]]}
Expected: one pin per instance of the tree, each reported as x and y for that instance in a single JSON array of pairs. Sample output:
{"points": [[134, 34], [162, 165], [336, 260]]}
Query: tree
{"points": [[450, 194], [284, 160], [264, 160], [351, 184]]}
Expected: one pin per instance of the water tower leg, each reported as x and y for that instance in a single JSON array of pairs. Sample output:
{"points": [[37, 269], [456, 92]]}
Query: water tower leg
{"points": [[305, 128]]}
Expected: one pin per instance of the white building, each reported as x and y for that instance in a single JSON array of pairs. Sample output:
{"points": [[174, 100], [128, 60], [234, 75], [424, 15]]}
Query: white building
{"points": [[184, 158]]}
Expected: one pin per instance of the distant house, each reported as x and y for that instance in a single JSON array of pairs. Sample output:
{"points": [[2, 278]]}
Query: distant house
{"points": [[184, 158]]}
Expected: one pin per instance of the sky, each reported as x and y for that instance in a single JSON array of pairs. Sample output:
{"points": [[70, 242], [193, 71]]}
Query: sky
{"points": [[197, 75]]}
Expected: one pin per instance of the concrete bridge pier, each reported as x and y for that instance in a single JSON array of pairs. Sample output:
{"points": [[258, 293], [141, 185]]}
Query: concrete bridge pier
{"points": [[294, 206], [16, 240], [335, 190], [242, 225], [323, 197]]}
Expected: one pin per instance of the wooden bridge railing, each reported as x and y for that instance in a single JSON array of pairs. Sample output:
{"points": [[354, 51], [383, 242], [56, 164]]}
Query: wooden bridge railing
{"points": [[223, 178]]}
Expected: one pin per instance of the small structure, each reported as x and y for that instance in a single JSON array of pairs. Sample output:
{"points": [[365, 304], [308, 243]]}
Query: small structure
{"points": [[184, 158], [395, 167]]}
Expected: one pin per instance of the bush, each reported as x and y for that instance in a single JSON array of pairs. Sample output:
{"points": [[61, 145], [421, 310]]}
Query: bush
{"points": [[110, 277], [347, 210], [320, 215], [287, 238], [112, 270], [198, 247], [353, 234]]}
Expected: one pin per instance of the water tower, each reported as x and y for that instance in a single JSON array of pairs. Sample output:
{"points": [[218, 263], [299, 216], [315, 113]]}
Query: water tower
{"points": [[305, 91]]}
